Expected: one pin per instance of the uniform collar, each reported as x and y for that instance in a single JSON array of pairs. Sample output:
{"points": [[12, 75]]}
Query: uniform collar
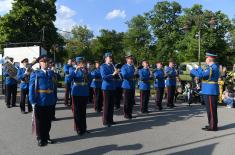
{"points": [[44, 70]]}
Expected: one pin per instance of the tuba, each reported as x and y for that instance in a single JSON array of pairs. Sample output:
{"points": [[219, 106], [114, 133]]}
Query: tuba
{"points": [[29, 70], [10, 68]]}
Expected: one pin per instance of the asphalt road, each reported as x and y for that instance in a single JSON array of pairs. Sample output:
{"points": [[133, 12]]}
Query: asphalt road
{"points": [[172, 132]]}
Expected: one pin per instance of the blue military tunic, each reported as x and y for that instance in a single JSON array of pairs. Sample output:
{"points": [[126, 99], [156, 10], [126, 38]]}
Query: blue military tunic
{"points": [[118, 82], [159, 79], [171, 77], [209, 79], [96, 78], [108, 82], [8, 80], [67, 78], [127, 72], [79, 82], [24, 78], [41, 88], [144, 79]]}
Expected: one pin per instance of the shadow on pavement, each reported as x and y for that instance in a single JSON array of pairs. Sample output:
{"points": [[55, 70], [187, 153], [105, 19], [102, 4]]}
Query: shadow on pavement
{"points": [[100, 150], [203, 150], [140, 123]]}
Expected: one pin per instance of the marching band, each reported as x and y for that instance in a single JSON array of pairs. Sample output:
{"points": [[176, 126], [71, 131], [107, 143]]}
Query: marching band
{"points": [[109, 82]]}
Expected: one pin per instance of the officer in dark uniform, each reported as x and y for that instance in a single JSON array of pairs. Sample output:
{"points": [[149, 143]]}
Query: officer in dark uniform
{"points": [[144, 85], [170, 74], [108, 72], [42, 97], [67, 83], [23, 75], [159, 84], [11, 87], [128, 86], [210, 89], [80, 94], [96, 85]]}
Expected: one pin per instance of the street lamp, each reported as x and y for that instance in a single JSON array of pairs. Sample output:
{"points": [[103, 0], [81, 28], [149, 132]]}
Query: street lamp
{"points": [[199, 20]]}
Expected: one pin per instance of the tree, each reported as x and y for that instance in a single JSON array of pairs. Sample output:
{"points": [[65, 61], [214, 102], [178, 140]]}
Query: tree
{"points": [[109, 41], [79, 43], [213, 27], [28, 21], [164, 22], [138, 38]]}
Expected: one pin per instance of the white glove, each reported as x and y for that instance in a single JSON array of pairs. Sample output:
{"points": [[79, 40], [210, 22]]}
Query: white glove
{"points": [[195, 66], [33, 105], [189, 67]]}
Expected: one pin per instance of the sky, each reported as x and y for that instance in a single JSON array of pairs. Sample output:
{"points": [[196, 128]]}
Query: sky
{"points": [[113, 14]]}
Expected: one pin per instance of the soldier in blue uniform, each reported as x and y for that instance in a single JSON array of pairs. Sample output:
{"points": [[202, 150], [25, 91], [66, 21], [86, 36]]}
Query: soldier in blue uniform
{"points": [[42, 97], [23, 75], [11, 87], [90, 78], [80, 94], [170, 74], [210, 89], [96, 85], [67, 83], [159, 84], [144, 85], [118, 85], [108, 72], [128, 86], [55, 79]]}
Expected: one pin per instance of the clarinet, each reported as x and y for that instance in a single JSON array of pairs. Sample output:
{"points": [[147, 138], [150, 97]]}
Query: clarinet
{"points": [[119, 75]]}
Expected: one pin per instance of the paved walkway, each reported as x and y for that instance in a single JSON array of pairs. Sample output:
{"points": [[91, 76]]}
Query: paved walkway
{"points": [[172, 131]]}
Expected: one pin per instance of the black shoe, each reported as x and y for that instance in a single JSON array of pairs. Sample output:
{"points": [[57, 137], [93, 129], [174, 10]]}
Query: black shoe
{"points": [[13, 105], [107, 125], [23, 112], [81, 133], [160, 108], [117, 108], [41, 143], [8, 106], [98, 111], [207, 128], [50, 141], [145, 112], [113, 123], [128, 117]]}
